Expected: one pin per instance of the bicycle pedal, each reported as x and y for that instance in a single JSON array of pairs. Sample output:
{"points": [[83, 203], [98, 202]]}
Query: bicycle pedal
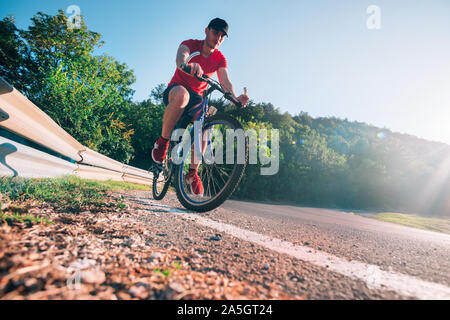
{"points": [[156, 169]]}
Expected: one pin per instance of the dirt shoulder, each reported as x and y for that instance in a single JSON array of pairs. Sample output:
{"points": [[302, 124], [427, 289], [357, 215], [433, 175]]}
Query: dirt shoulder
{"points": [[110, 254]]}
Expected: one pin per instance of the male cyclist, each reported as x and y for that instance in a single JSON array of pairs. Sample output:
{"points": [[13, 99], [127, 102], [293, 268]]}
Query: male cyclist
{"points": [[185, 91]]}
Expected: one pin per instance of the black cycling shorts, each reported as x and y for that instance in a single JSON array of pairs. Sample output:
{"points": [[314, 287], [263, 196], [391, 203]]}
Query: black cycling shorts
{"points": [[194, 100], [194, 97]]}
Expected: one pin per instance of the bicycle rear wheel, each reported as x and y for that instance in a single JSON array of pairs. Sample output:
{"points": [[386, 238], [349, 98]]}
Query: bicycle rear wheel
{"points": [[162, 177], [220, 175]]}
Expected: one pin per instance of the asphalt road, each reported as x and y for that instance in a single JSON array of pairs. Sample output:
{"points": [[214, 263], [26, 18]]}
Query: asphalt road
{"points": [[412, 251], [307, 252]]}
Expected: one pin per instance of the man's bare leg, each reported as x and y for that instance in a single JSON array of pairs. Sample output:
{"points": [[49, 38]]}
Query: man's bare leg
{"points": [[178, 100], [193, 165]]}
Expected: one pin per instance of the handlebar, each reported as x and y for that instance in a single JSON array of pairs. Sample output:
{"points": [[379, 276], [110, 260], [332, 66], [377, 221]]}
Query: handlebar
{"points": [[214, 84], [187, 69]]}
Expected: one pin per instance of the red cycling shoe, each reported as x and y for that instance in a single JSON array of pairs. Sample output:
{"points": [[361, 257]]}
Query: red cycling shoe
{"points": [[195, 182], [160, 150]]}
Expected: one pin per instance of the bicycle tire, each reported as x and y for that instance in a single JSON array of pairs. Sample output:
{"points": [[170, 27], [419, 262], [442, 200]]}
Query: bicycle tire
{"points": [[167, 180], [162, 194], [229, 186]]}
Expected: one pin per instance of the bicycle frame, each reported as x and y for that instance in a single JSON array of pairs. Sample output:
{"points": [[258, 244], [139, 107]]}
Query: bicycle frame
{"points": [[198, 125]]}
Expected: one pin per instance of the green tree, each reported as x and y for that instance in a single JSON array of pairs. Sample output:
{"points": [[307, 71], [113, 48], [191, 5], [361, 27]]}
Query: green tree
{"points": [[87, 95], [146, 120], [14, 55], [156, 96]]}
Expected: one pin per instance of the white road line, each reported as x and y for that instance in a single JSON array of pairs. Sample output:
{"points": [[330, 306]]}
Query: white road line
{"points": [[372, 275]]}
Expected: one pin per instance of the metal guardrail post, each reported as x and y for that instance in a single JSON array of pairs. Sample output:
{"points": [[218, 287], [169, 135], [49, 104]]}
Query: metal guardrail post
{"points": [[5, 87]]}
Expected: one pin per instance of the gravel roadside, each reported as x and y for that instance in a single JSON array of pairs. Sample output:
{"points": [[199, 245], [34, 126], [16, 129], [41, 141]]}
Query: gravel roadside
{"points": [[244, 261], [112, 255], [145, 252]]}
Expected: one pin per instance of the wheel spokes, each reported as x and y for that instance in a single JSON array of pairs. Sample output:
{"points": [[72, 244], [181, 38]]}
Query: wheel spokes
{"points": [[217, 175]]}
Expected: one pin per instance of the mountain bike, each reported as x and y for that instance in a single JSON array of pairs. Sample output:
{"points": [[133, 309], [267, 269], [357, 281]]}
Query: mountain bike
{"points": [[205, 132]]}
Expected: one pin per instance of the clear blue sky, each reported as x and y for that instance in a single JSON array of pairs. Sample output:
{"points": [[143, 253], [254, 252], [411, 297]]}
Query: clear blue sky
{"points": [[314, 56]]}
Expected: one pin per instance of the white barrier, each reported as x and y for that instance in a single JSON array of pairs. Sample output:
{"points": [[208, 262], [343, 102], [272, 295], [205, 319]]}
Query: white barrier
{"points": [[27, 120], [128, 170], [99, 160], [94, 173], [135, 179], [20, 116], [19, 160]]}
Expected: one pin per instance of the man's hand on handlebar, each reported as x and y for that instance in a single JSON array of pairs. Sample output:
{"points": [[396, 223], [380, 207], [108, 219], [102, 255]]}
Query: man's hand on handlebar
{"points": [[243, 99], [196, 69]]}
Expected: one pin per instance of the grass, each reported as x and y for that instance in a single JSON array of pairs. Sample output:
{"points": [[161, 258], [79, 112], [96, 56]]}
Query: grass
{"points": [[166, 272], [177, 265], [410, 220], [118, 185], [16, 217], [67, 193]]}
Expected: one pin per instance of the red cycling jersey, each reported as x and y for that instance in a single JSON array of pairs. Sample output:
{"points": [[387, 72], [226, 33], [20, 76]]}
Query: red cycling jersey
{"points": [[209, 65]]}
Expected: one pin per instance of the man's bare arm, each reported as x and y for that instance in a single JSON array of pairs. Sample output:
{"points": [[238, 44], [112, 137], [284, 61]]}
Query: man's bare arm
{"points": [[182, 54], [224, 80]]}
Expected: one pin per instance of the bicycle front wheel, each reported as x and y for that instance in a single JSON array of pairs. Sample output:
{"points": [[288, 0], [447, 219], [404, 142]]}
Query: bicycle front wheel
{"points": [[222, 163]]}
